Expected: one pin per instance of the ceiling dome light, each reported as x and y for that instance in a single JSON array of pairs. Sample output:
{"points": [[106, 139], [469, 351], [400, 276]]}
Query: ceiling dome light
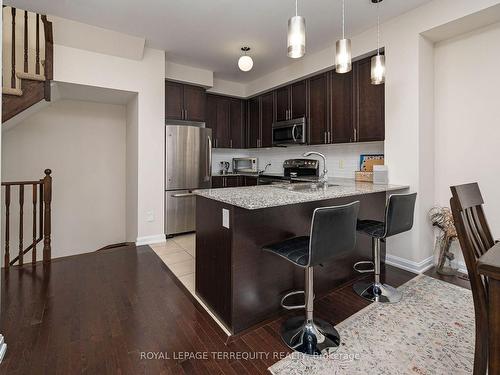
{"points": [[378, 61], [296, 37], [343, 55], [245, 63]]}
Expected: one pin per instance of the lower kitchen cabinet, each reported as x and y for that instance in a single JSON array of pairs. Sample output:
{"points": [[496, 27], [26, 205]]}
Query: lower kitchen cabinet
{"points": [[233, 181]]}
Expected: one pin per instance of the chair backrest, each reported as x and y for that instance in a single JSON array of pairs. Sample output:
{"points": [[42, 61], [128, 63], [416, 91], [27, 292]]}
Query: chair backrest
{"points": [[399, 213], [333, 231], [475, 239]]}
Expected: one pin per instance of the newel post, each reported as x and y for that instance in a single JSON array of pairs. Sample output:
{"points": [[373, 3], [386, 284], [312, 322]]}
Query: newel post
{"points": [[47, 200]]}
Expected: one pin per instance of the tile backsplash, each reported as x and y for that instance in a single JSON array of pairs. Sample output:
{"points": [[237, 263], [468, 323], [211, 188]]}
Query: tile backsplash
{"points": [[342, 159]]}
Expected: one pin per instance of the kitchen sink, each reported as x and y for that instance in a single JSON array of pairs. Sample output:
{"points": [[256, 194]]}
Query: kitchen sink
{"points": [[306, 187]]}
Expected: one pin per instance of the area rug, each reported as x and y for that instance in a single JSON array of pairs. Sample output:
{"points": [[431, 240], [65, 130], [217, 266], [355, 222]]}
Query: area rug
{"points": [[431, 331]]}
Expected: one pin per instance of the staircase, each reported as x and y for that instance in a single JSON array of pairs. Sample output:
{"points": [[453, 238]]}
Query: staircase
{"points": [[27, 60]]}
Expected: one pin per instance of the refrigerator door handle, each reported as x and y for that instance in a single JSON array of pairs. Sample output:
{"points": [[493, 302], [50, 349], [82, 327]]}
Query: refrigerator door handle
{"points": [[183, 195], [209, 160]]}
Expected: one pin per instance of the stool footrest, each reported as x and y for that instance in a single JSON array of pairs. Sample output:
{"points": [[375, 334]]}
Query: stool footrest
{"points": [[363, 262], [292, 307]]}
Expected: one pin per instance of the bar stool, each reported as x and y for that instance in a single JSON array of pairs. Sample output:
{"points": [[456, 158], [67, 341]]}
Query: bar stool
{"points": [[398, 219], [333, 232]]}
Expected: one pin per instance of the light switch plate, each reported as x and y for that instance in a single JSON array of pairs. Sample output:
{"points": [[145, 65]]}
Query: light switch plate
{"points": [[225, 218]]}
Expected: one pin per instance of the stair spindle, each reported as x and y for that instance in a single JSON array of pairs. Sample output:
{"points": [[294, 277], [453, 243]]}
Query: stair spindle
{"points": [[37, 52], [13, 56], [21, 223], [40, 208], [33, 253], [26, 41], [47, 200], [7, 225]]}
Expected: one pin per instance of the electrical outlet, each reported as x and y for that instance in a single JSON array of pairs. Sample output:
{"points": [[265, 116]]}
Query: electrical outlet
{"points": [[341, 164], [150, 216]]}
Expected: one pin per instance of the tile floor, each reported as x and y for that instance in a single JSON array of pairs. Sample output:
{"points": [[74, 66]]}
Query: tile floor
{"points": [[178, 254]]}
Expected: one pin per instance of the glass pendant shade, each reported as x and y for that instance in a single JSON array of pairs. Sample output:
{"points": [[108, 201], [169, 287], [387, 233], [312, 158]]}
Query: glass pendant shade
{"points": [[378, 69], [343, 58], [296, 41], [245, 63]]}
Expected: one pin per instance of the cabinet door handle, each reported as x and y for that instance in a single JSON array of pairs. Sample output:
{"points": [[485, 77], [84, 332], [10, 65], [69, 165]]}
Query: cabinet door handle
{"points": [[329, 137], [325, 138], [355, 135], [186, 117], [231, 143]]}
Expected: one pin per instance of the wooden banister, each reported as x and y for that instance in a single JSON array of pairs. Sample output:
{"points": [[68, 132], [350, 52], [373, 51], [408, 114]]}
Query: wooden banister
{"points": [[47, 200], [26, 41], [41, 205], [37, 44], [13, 62]]}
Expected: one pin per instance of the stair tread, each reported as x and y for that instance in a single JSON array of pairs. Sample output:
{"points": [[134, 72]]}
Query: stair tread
{"points": [[30, 76], [11, 91]]}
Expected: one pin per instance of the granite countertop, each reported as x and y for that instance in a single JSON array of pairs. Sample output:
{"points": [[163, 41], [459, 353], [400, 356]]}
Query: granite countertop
{"points": [[264, 196]]}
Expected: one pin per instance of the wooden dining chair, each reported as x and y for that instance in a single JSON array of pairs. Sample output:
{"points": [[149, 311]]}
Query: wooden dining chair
{"points": [[475, 239]]}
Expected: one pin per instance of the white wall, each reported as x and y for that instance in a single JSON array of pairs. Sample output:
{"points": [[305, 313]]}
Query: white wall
{"points": [[146, 77], [342, 159], [84, 145], [131, 163], [467, 117]]}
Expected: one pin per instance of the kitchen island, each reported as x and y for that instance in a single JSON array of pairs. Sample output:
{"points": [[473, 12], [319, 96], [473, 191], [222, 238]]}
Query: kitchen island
{"points": [[242, 284]]}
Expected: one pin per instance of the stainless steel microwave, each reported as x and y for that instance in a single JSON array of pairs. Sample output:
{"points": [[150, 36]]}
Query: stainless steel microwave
{"points": [[290, 132], [245, 165]]}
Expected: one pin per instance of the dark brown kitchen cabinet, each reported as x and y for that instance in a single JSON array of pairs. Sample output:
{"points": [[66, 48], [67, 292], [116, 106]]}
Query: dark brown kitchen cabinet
{"points": [[369, 102], [291, 101], [341, 108], [267, 119], [225, 116], [237, 123], [282, 103], [184, 102], [250, 181], [319, 124], [227, 181], [174, 101], [253, 123]]}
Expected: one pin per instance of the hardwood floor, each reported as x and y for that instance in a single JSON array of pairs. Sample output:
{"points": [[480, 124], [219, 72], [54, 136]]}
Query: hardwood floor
{"points": [[102, 313]]}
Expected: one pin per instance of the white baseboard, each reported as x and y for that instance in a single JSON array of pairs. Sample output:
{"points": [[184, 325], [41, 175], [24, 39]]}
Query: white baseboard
{"points": [[409, 265], [3, 348], [148, 240]]}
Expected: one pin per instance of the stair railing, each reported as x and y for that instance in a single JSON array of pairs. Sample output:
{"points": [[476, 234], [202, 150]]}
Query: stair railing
{"points": [[48, 45], [41, 219]]}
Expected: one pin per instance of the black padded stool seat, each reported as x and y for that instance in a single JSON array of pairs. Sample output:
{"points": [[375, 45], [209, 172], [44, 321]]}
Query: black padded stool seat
{"points": [[373, 228], [295, 250]]}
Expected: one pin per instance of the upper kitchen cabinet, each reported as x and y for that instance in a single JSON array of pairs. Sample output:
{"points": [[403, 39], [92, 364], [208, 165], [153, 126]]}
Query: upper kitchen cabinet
{"points": [[225, 116], [184, 102], [341, 107], [237, 123], [319, 124], [267, 119], [369, 102], [291, 101], [253, 123]]}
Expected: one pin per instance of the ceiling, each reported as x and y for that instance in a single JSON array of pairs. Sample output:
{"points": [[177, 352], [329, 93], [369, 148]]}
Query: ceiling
{"points": [[209, 34]]}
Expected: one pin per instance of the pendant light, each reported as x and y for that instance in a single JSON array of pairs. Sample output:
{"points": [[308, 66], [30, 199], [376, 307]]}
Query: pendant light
{"points": [[245, 62], [378, 61], [343, 57], [296, 38]]}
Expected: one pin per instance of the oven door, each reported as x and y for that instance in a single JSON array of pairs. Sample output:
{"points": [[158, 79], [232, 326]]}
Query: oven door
{"points": [[289, 134]]}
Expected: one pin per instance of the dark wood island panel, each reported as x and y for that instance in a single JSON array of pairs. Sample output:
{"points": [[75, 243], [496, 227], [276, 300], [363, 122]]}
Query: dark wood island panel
{"points": [[243, 285]]}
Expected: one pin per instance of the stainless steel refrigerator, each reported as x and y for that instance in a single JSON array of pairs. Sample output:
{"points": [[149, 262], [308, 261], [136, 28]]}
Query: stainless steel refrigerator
{"points": [[188, 164]]}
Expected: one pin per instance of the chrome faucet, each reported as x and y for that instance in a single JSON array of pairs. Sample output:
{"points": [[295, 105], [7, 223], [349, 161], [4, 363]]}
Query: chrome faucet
{"points": [[324, 177]]}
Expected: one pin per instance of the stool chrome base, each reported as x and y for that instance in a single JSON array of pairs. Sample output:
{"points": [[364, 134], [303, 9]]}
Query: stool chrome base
{"points": [[377, 292], [310, 337]]}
